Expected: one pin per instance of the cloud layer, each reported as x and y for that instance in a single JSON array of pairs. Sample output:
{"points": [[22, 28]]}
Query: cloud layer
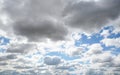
{"points": [[59, 37], [91, 14]]}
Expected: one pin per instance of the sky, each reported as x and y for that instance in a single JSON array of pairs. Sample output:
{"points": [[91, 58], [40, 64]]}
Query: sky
{"points": [[59, 37]]}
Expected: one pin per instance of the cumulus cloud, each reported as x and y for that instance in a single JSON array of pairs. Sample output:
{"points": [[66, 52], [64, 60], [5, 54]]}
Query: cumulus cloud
{"points": [[91, 15], [36, 20], [76, 51], [94, 72], [111, 42], [95, 49], [52, 60], [40, 20], [35, 29], [7, 57], [105, 63], [41, 30], [63, 67], [3, 63], [20, 48], [22, 67], [103, 58]]}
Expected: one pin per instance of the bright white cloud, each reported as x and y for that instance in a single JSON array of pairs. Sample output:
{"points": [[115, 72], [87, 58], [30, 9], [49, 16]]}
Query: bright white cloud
{"points": [[111, 42]]}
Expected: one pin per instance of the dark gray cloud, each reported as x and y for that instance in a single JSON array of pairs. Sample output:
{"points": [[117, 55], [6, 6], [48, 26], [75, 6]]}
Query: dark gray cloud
{"points": [[37, 19], [8, 57], [40, 30], [91, 15], [41, 19], [3, 63], [52, 60]]}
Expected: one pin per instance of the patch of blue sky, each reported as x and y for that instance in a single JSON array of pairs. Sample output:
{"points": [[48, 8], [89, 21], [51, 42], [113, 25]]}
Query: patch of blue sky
{"points": [[62, 55], [94, 38], [113, 35], [110, 29], [4, 40], [113, 49], [116, 51], [107, 48]]}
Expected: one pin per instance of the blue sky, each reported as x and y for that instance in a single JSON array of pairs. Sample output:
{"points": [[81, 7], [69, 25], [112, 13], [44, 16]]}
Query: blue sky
{"points": [[60, 37]]}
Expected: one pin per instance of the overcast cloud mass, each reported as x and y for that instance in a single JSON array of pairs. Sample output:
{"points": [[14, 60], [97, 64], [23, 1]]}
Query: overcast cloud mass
{"points": [[59, 37]]}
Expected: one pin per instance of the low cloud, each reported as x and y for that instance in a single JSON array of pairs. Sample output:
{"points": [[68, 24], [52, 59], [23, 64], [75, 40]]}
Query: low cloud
{"points": [[8, 57], [36, 20], [111, 42], [52, 60], [91, 15], [20, 48]]}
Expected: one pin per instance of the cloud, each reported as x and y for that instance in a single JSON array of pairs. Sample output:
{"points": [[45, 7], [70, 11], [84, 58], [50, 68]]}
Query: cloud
{"points": [[8, 57], [41, 30], [105, 33], [52, 60], [91, 15], [103, 58], [3, 63], [104, 63], [63, 67], [76, 51], [20, 48], [111, 42], [94, 72], [95, 48], [22, 67], [36, 20]]}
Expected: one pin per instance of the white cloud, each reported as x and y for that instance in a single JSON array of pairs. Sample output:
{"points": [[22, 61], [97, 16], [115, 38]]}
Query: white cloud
{"points": [[111, 42], [105, 33], [95, 49]]}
